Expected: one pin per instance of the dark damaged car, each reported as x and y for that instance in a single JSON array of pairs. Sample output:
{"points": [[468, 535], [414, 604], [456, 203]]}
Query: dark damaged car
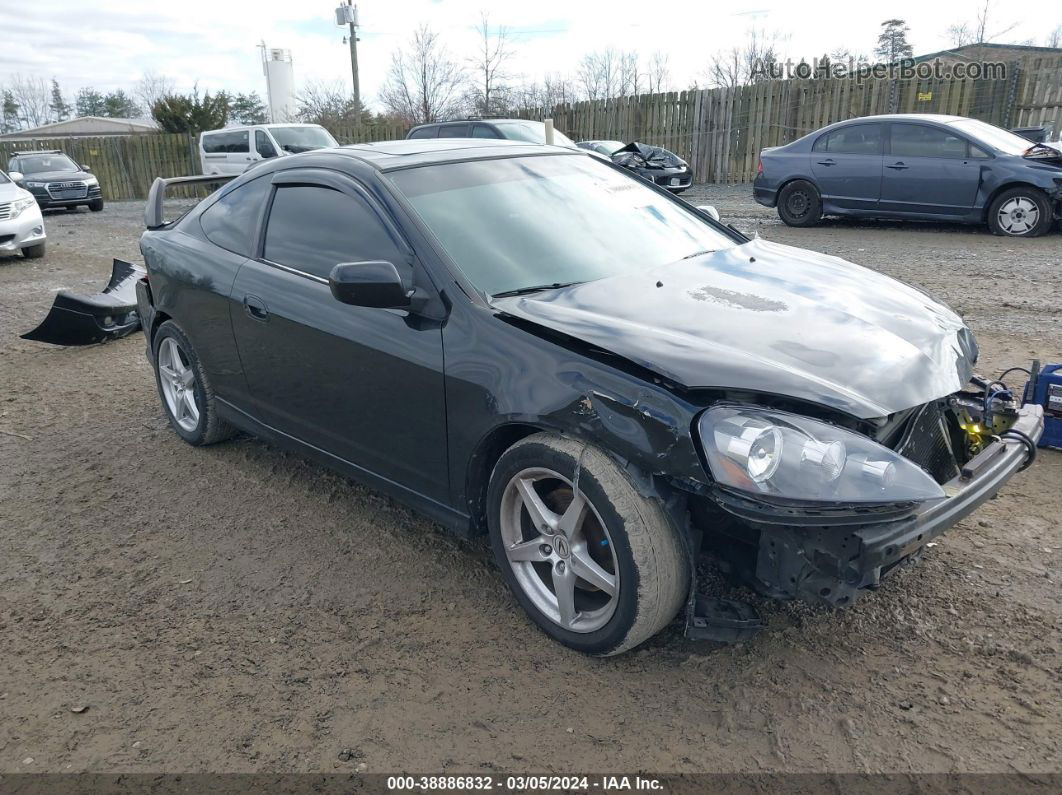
{"points": [[918, 167], [652, 163], [606, 385]]}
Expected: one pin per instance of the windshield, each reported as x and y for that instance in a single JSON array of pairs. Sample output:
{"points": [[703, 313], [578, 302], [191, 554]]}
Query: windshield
{"points": [[524, 222], [1000, 140], [609, 147], [532, 131], [302, 139], [38, 164]]}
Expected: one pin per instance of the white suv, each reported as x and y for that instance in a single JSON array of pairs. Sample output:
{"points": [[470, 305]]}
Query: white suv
{"points": [[235, 149], [21, 224]]}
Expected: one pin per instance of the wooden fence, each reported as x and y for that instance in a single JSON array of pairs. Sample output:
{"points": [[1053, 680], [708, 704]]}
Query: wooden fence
{"points": [[127, 165], [720, 132]]}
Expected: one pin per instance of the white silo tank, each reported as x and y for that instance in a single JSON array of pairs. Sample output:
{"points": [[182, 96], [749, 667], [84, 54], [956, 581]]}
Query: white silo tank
{"points": [[280, 83]]}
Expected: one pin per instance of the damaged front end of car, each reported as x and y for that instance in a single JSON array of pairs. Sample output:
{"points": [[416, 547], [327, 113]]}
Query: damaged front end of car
{"points": [[808, 510]]}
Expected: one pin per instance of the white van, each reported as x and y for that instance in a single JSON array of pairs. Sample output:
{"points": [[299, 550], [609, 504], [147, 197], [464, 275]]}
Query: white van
{"points": [[234, 149]]}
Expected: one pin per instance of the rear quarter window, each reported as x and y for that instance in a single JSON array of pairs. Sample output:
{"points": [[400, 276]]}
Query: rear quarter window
{"points": [[424, 132], [226, 142], [232, 221]]}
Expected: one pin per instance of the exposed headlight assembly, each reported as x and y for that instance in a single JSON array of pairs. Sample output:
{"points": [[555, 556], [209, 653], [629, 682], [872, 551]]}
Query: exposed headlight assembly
{"points": [[20, 205], [774, 454]]}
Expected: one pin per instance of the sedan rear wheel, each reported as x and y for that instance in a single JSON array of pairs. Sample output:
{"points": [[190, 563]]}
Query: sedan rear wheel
{"points": [[799, 204]]}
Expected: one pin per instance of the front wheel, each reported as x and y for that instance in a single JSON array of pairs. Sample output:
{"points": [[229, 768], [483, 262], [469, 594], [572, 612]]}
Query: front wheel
{"points": [[96, 205], [33, 252], [594, 563], [1020, 212], [187, 397], [799, 204]]}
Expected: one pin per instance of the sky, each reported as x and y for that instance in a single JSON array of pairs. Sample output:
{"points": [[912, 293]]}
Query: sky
{"points": [[108, 44]]}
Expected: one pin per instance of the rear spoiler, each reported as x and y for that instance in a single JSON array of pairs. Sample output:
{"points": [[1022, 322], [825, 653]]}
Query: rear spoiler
{"points": [[153, 217]]}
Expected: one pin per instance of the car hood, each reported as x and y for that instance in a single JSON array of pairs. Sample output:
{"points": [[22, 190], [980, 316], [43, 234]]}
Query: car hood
{"points": [[9, 191], [57, 176], [770, 319]]}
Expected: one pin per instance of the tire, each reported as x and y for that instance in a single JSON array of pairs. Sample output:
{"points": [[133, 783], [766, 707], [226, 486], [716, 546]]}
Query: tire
{"points": [[635, 549], [799, 204], [96, 205], [198, 427], [33, 252], [1020, 212]]}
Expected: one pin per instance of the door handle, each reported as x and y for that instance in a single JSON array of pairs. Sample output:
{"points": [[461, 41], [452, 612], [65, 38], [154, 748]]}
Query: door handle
{"points": [[897, 166], [827, 163], [255, 307]]}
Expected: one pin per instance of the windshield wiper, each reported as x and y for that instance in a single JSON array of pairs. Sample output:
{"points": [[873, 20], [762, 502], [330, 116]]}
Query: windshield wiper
{"points": [[535, 289], [699, 253]]}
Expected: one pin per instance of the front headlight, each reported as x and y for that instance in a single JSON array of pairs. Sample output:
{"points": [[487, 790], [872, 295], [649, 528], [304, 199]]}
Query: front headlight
{"points": [[36, 184], [20, 205], [786, 456], [90, 181]]}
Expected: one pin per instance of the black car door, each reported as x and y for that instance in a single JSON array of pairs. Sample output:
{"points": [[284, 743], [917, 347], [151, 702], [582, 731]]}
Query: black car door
{"points": [[363, 384], [847, 166], [930, 171]]}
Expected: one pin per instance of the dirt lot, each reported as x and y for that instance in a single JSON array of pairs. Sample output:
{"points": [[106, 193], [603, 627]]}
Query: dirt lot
{"points": [[164, 608]]}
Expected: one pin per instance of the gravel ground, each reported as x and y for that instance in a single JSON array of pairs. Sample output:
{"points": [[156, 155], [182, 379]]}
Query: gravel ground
{"points": [[236, 608]]}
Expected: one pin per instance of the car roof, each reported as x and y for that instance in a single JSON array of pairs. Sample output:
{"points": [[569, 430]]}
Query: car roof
{"points": [[939, 118], [390, 155], [239, 127]]}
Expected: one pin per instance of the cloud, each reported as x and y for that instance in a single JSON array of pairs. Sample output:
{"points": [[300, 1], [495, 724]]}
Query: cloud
{"points": [[109, 43]]}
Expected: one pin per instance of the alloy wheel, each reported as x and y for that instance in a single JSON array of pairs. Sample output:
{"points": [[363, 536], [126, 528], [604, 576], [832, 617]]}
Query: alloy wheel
{"points": [[1018, 216], [559, 550], [178, 384]]}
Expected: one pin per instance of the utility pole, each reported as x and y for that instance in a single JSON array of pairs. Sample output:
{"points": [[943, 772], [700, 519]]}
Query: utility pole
{"points": [[347, 14]]}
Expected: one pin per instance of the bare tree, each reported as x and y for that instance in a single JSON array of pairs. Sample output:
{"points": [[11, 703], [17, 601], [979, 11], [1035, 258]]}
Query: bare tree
{"points": [[600, 74], [1054, 38], [151, 87], [977, 31], [632, 80], [34, 98], [490, 93], [423, 84], [327, 103], [743, 64], [658, 76]]}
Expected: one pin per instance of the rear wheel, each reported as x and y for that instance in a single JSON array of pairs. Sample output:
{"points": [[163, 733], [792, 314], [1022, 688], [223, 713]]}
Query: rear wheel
{"points": [[595, 564], [799, 204], [187, 397], [1020, 212], [33, 252]]}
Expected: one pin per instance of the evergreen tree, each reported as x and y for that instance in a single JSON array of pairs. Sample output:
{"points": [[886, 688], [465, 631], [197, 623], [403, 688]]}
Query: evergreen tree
{"points": [[90, 102], [892, 42], [60, 110]]}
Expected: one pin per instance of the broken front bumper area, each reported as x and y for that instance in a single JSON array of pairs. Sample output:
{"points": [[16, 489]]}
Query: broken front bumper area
{"points": [[814, 559]]}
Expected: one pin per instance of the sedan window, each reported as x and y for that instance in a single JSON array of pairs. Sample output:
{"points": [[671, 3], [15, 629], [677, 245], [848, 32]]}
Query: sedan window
{"points": [[522, 222], [313, 229], [858, 139], [918, 140]]}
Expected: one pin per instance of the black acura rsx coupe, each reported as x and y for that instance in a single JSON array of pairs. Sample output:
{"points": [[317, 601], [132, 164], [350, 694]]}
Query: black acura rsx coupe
{"points": [[527, 341]]}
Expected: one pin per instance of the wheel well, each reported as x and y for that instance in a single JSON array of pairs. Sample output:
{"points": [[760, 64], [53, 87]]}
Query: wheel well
{"points": [[481, 465], [158, 320], [1009, 186], [808, 180]]}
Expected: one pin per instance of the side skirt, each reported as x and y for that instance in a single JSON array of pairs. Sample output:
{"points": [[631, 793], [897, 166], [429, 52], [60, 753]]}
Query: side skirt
{"points": [[455, 521]]}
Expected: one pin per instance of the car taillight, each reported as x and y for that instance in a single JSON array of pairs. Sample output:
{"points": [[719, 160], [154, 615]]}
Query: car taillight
{"points": [[759, 167]]}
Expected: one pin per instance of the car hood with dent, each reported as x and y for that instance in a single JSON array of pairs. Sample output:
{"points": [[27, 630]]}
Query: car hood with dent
{"points": [[771, 319]]}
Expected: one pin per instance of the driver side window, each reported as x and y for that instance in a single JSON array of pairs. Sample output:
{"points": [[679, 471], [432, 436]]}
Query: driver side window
{"points": [[313, 228]]}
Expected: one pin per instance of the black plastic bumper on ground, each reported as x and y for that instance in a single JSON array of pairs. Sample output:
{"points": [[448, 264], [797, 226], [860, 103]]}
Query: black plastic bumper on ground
{"points": [[834, 564], [77, 319]]}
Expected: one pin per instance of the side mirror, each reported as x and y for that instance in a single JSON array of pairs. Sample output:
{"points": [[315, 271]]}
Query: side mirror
{"points": [[86, 168], [16, 176], [710, 210], [375, 284]]}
